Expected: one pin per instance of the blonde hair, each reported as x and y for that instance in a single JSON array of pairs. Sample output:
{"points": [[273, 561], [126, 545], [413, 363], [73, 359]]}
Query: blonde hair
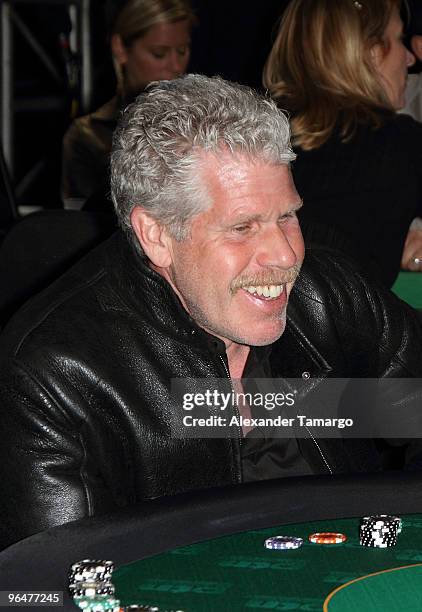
{"points": [[134, 18], [320, 66]]}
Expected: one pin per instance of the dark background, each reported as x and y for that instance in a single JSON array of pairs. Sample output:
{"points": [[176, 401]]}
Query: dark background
{"points": [[232, 39]]}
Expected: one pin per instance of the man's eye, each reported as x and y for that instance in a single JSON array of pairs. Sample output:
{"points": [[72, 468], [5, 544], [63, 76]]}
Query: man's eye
{"points": [[241, 229], [290, 215], [182, 51]]}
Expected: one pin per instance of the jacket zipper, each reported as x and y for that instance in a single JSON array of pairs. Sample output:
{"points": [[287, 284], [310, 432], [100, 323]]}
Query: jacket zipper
{"points": [[319, 449], [236, 409]]}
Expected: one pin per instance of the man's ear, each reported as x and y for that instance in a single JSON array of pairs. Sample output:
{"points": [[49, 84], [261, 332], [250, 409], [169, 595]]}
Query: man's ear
{"points": [[153, 237], [416, 44], [118, 49]]}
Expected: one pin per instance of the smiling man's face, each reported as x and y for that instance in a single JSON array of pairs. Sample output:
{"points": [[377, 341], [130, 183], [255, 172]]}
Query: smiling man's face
{"points": [[235, 271]]}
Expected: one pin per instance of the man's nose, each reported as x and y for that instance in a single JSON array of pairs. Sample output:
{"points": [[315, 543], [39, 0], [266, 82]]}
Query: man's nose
{"points": [[275, 249]]}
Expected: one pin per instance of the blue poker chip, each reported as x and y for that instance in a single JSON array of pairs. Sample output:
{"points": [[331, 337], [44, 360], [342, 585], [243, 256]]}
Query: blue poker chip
{"points": [[283, 543]]}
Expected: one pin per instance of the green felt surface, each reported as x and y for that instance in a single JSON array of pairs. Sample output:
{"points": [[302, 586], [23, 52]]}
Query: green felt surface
{"points": [[408, 287], [397, 589], [237, 573]]}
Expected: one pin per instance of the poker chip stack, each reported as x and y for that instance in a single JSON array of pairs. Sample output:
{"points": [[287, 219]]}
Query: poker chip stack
{"points": [[91, 587], [380, 531]]}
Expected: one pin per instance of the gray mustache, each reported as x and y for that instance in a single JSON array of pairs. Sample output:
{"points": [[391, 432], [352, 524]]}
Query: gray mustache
{"points": [[273, 277]]}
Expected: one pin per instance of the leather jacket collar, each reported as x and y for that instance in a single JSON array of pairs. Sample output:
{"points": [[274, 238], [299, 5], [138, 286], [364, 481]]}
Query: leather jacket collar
{"points": [[160, 304]]}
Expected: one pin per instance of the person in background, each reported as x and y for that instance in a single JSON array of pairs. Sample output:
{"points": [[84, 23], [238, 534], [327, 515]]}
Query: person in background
{"points": [[413, 106], [150, 41], [340, 68]]}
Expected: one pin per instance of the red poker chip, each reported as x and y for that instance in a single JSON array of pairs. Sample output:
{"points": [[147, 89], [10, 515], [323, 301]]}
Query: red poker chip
{"points": [[327, 537]]}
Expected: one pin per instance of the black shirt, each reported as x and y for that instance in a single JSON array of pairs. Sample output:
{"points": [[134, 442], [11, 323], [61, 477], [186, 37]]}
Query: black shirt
{"points": [[265, 457]]}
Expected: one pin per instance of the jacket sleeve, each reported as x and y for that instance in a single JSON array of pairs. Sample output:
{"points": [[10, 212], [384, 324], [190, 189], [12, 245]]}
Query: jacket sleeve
{"points": [[364, 331], [385, 335], [43, 458], [379, 335]]}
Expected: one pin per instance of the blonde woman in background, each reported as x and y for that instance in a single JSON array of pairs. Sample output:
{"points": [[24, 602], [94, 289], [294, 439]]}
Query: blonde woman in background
{"points": [[413, 105], [150, 41], [340, 68]]}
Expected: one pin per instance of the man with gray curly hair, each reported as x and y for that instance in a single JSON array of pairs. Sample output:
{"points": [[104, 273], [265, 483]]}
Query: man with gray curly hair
{"points": [[160, 142], [196, 287], [201, 184]]}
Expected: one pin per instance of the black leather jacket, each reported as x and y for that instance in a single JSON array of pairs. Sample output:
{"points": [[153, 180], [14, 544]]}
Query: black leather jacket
{"points": [[87, 420]]}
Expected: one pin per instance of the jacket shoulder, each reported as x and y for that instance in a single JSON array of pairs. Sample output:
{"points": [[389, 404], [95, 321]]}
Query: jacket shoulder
{"points": [[345, 310], [55, 311]]}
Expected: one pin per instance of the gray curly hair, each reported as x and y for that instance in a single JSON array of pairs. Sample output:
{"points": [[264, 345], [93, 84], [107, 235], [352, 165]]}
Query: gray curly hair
{"points": [[159, 144]]}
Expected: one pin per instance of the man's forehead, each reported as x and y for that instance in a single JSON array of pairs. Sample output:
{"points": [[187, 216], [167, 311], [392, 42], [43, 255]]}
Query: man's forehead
{"points": [[226, 159], [225, 169]]}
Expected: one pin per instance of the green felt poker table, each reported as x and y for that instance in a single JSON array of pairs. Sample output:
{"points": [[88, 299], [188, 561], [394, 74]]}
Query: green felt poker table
{"points": [[205, 551], [237, 572], [408, 287]]}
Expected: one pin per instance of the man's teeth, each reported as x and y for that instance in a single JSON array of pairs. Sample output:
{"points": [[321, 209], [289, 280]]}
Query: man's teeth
{"points": [[268, 291]]}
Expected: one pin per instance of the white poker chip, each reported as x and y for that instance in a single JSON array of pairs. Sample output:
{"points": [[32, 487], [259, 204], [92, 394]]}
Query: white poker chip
{"points": [[90, 570], [91, 589], [283, 543]]}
